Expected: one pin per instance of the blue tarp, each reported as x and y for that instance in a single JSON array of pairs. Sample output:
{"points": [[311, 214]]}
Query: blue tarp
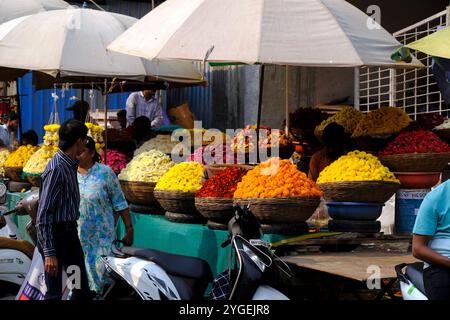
{"points": [[36, 106]]}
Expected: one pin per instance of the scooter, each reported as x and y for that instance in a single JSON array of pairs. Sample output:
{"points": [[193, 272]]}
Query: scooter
{"points": [[157, 275], [410, 277], [16, 254]]}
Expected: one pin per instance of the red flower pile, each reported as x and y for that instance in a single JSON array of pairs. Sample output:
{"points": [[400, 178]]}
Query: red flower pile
{"points": [[116, 160], [223, 184], [420, 141]]}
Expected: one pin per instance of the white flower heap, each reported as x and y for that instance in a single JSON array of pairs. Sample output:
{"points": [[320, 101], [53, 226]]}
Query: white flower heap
{"points": [[39, 160], [161, 142], [96, 133], [148, 166]]}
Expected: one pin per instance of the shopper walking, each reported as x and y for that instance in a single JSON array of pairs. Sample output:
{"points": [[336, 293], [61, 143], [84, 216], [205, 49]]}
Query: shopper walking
{"points": [[58, 213]]}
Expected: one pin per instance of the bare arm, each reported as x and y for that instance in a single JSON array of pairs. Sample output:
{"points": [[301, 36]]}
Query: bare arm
{"points": [[129, 231], [423, 252]]}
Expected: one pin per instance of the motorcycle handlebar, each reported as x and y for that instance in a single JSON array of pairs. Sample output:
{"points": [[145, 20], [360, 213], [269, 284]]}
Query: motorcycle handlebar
{"points": [[8, 212]]}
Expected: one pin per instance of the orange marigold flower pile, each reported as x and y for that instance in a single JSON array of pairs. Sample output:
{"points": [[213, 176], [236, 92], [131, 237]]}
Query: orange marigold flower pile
{"points": [[276, 178]]}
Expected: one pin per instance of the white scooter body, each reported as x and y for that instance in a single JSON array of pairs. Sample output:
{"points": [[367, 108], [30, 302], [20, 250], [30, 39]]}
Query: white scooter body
{"points": [[145, 277], [148, 280], [14, 266], [10, 230], [408, 288], [410, 292]]}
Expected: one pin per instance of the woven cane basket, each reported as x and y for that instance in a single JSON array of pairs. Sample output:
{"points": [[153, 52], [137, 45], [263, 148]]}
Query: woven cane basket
{"points": [[33, 178], [177, 201], [444, 134], [359, 191], [416, 162], [282, 210], [15, 174], [374, 143], [214, 169], [215, 209], [140, 193]]}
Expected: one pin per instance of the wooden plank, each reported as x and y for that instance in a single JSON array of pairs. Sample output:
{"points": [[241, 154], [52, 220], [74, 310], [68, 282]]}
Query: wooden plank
{"points": [[352, 265]]}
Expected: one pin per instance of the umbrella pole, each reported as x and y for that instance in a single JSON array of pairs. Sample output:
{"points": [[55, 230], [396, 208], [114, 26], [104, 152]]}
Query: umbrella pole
{"points": [[287, 102], [258, 120], [19, 112], [105, 101]]}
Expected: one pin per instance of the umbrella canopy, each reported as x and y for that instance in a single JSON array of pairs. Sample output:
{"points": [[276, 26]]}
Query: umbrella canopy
{"points": [[436, 44], [12, 9], [284, 32], [72, 43]]}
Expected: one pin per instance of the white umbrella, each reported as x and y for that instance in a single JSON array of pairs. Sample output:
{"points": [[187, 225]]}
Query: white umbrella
{"points": [[11, 9], [72, 43], [283, 32], [316, 33]]}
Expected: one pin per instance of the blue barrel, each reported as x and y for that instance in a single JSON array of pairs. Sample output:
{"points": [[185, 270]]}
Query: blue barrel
{"points": [[407, 204]]}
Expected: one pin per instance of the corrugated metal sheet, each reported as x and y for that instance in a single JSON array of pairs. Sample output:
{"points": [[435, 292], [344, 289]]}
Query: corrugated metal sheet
{"points": [[222, 103]]}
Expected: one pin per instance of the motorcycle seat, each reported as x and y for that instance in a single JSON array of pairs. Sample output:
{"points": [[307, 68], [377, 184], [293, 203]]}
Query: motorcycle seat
{"points": [[414, 272], [19, 245], [177, 265]]}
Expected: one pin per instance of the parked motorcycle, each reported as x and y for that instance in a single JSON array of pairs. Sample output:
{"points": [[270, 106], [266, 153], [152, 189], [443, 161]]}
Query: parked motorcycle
{"points": [[410, 277], [16, 254], [156, 275]]}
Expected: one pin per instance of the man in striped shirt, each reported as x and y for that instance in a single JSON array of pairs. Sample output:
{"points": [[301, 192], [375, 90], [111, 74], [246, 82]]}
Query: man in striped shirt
{"points": [[58, 212]]}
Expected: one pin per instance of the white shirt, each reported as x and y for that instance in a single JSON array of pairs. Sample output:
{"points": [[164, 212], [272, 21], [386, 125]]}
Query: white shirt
{"points": [[137, 106], [5, 135]]}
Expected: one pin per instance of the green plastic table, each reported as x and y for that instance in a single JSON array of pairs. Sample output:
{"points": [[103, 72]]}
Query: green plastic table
{"points": [[196, 240], [155, 232]]}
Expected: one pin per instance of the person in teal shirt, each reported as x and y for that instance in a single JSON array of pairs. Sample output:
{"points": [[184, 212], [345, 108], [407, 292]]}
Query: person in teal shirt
{"points": [[102, 202], [431, 241]]}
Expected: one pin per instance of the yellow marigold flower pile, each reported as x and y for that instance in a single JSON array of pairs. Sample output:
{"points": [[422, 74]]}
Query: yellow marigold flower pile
{"points": [[276, 178], [96, 133], [51, 136], [386, 120], [356, 166], [148, 166], [39, 160], [4, 153], [20, 157], [348, 117], [185, 176]]}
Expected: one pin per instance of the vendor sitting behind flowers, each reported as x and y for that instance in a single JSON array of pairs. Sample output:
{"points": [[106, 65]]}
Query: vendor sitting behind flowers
{"points": [[102, 202], [336, 145], [29, 138]]}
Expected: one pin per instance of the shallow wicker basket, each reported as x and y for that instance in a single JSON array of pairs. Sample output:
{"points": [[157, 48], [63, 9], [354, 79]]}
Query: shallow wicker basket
{"points": [[444, 134], [33, 178], [417, 162], [359, 191], [374, 143], [177, 201], [215, 209], [282, 210], [140, 193], [213, 169], [15, 174]]}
